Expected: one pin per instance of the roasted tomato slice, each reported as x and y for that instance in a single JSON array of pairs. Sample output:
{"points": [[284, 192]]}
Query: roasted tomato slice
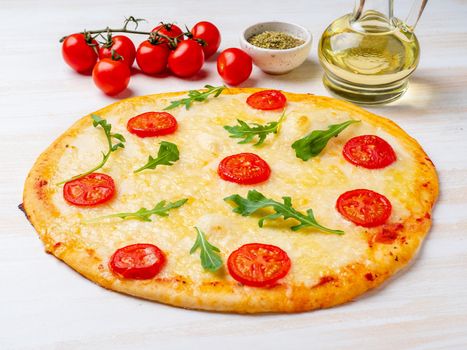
{"points": [[364, 207], [258, 265], [137, 261], [89, 190], [244, 168], [369, 151], [267, 100], [152, 124]]}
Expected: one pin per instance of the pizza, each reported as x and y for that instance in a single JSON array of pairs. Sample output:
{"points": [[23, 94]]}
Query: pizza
{"points": [[234, 200]]}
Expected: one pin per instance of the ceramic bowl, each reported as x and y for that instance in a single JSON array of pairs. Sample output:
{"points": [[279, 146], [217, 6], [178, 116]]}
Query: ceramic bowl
{"points": [[274, 61]]}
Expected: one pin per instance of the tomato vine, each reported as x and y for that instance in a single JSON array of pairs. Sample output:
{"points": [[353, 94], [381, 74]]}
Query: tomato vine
{"points": [[154, 37]]}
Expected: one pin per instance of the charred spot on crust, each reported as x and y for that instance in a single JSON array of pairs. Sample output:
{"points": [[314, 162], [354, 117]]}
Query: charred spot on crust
{"points": [[369, 276], [388, 233], [21, 207], [325, 280], [164, 279], [212, 283], [91, 252], [428, 159], [57, 245], [427, 216], [41, 183], [176, 279]]}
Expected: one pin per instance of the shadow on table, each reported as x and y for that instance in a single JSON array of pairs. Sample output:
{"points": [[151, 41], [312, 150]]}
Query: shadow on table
{"points": [[309, 71], [430, 91]]}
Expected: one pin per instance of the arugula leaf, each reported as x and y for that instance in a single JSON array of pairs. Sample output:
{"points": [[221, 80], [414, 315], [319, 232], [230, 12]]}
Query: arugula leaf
{"points": [[98, 121], [167, 155], [210, 259], [312, 144], [143, 214], [248, 132], [196, 96], [256, 200]]}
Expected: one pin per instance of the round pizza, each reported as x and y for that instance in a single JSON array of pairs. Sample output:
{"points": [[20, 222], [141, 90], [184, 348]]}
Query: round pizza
{"points": [[233, 200]]}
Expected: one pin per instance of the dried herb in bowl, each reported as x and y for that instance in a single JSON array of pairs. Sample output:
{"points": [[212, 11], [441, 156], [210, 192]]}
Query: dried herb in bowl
{"points": [[275, 40]]}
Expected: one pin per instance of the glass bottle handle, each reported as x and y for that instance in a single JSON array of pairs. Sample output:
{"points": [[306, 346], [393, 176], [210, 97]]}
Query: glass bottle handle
{"points": [[359, 5], [415, 13]]}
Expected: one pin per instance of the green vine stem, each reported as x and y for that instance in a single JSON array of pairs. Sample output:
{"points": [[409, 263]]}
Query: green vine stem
{"points": [[154, 37]]}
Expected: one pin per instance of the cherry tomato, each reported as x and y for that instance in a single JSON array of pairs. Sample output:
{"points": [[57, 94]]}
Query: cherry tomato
{"points": [[152, 124], [89, 190], [111, 76], [137, 261], [364, 207], [258, 265], [123, 46], [152, 58], [80, 53], [210, 34], [169, 29], [369, 151], [267, 100], [187, 59], [234, 66], [244, 168]]}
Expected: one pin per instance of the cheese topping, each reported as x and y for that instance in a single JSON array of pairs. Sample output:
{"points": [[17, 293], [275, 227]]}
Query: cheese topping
{"points": [[203, 143]]}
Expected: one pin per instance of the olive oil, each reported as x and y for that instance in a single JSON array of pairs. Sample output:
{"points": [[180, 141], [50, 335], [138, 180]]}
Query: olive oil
{"points": [[368, 61]]}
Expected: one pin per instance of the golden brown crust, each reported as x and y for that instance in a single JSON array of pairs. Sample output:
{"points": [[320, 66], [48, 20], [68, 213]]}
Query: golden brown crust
{"points": [[334, 288]]}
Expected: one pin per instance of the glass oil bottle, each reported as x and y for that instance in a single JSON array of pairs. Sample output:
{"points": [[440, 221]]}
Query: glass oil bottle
{"points": [[369, 54]]}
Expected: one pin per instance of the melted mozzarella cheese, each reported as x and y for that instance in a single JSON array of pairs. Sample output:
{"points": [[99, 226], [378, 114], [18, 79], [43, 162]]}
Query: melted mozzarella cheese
{"points": [[203, 143]]}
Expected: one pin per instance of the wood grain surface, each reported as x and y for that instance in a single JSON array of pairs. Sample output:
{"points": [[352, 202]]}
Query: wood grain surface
{"points": [[46, 305]]}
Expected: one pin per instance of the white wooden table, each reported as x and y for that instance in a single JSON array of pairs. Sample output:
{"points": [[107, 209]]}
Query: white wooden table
{"points": [[46, 305]]}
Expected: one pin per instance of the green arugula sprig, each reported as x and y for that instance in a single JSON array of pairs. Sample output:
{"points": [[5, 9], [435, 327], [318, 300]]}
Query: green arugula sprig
{"points": [[161, 209], [167, 155], [249, 132], [210, 259], [98, 121], [256, 200], [312, 144], [196, 96]]}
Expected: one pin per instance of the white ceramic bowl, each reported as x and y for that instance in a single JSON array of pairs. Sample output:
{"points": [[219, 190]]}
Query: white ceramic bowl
{"points": [[274, 61]]}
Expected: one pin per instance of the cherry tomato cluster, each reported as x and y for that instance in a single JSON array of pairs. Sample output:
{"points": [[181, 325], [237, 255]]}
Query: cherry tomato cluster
{"points": [[167, 47]]}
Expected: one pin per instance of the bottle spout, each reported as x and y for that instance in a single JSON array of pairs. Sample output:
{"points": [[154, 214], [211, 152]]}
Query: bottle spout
{"points": [[415, 13]]}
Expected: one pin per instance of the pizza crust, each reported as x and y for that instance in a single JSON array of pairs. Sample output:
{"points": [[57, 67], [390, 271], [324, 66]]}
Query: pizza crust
{"points": [[219, 293]]}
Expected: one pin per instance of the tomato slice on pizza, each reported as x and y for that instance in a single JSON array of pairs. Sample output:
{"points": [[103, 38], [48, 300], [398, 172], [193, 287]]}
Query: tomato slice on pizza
{"points": [[267, 100], [364, 207], [152, 124], [244, 169], [258, 265], [89, 190], [137, 261], [369, 151]]}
